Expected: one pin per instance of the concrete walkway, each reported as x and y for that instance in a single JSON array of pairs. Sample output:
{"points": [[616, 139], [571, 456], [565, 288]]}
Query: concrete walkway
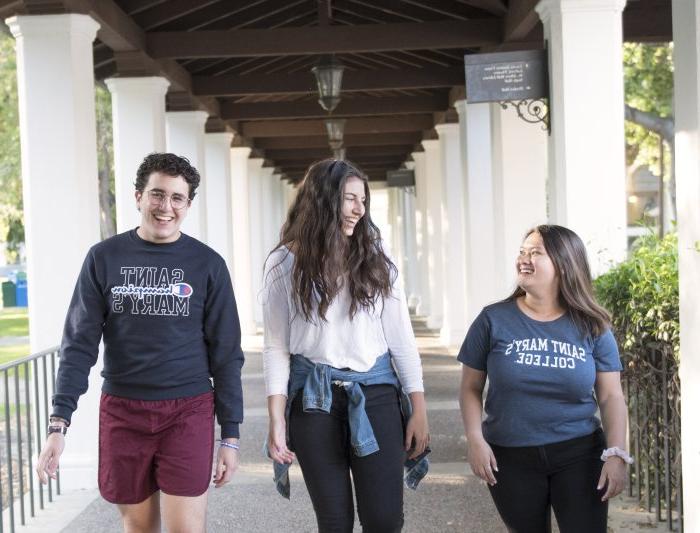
{"points": [[451, 499], [13, 341]]}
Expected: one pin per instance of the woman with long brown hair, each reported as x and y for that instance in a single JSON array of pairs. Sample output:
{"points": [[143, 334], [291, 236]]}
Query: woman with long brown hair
{"points": [[339, 355], [552, 362]]}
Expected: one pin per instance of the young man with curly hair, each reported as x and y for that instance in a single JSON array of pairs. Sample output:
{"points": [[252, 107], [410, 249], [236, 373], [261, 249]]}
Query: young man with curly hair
{"points": [[163, 304]]}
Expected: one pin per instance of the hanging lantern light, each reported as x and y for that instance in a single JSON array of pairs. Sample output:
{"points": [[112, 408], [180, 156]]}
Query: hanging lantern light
{"points": [[339, 153], [335, 127], [329, 77]]}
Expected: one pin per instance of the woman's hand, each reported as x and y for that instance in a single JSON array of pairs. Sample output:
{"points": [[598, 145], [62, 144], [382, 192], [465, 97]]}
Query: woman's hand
{"points": [[614, 474], [482, 460], [277, 435], [417, 433], [277, 442]]}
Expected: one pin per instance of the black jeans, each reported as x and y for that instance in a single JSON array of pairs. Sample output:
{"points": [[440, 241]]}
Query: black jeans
{"points": [[321, 442], [562, 476]]}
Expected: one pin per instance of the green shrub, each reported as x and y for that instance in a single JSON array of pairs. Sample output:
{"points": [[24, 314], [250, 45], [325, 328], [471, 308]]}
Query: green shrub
{"points": [[642, 296]]}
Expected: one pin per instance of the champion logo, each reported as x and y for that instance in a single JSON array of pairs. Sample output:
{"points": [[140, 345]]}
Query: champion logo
{"points": [[183, 290]]}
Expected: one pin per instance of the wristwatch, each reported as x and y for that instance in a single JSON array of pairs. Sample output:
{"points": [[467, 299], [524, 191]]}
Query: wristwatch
{"points": [[57, 429]]}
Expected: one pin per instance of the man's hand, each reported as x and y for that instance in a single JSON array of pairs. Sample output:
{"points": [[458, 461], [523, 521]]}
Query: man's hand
{"points": [[49, 456], [227, 460]]}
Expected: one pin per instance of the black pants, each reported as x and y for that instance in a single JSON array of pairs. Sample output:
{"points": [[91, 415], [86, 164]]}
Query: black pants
{"points": [[562, 476], [321, 442]]}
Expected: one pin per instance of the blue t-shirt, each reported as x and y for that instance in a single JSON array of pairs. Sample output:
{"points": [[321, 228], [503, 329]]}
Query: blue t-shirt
{"points": [[541, 375]]}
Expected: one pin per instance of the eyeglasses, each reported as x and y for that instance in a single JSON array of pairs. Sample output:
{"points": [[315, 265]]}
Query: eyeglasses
{"points": [[158, 198]]}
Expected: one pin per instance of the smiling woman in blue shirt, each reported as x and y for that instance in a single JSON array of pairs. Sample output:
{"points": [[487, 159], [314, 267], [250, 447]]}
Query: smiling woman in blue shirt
{"points": [[551, 361]]}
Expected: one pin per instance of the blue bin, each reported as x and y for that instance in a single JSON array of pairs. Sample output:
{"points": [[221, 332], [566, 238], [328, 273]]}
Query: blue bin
{"points": [[21, 293]]}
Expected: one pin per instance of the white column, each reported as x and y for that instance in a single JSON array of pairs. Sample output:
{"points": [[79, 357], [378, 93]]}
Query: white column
{"points": [[241, 258], [56, 93], [586, 157], [217, 161], [409, 240], [281, 204], [433, 242], [395, 232], [269, 201], [480, 208], [284, 201], [257, 259], [422, 236], [686, 58], [381, 211], [454, 325], [184, 134], [290, 195], [519, 186], [138, 126]]}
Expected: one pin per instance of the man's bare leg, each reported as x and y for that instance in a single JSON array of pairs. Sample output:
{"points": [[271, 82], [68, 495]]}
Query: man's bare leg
{"points": [[143, 517], [183, 514]]}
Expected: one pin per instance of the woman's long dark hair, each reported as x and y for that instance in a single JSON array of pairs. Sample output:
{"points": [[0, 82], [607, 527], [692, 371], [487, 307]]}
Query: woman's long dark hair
{"points": [[568, 254], [325, 257]]}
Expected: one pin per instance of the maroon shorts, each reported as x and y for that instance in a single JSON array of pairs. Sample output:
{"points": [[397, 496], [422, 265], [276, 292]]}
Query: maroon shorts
{"points": [[150, 445]]}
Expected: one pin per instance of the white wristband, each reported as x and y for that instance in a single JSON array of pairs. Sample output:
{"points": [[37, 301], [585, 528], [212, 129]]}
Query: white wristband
{"points": [[617, 452]]}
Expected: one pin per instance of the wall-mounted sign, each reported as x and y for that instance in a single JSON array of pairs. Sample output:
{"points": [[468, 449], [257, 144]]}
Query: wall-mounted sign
{"points": [[400, 178], [506, 76]]}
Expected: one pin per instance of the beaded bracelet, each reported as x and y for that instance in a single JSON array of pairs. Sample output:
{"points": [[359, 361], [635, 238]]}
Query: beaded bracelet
{"points": [[229, 445]]}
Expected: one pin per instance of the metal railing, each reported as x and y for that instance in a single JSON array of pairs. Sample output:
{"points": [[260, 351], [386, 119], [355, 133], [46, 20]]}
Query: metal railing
{"points": [[26, 387], [652, 388]]}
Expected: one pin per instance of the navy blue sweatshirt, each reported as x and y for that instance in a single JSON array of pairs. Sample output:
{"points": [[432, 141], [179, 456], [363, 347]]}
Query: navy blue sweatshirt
{"points": [[168, 318]]}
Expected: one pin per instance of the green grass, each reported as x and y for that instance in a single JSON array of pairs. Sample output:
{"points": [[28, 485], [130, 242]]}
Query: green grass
{"points": [[14, 322], [10, 353]]}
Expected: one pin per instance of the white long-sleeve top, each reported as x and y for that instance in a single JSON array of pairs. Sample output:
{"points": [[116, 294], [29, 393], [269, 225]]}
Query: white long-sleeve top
{"points": [[339, 342]]}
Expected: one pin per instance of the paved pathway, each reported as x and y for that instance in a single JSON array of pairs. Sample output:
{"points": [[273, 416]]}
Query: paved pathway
{"points": [[451, 499], [12, 341]]}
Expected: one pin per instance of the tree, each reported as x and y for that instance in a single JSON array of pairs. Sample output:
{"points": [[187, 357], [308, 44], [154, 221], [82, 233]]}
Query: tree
{"points": [[105, 161], [11, 219], [648, 72]]}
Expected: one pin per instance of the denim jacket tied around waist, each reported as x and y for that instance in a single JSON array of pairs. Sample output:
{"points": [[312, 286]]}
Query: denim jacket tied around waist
{"points": [[315, 381]]}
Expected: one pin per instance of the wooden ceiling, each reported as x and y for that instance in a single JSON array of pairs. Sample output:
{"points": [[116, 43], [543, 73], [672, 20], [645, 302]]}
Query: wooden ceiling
{"points": [[248, 63]]}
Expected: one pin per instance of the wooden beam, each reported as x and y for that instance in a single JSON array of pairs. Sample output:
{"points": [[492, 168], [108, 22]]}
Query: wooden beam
{"points": [[9, 8], [291, 128], [321, 141], [466, 9], [173, 10], [303, 82], [366, 160], [131, 7], [117, 29], [365, 165], [520, 20], [652, 23], [497, 7], [351, 152], [643, 22], [324, 40], [347, 108], [120, 33]]}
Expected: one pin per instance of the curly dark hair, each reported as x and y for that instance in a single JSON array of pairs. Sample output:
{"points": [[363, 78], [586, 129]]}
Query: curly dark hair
{"points": [[169, 164], [325, 257]]}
